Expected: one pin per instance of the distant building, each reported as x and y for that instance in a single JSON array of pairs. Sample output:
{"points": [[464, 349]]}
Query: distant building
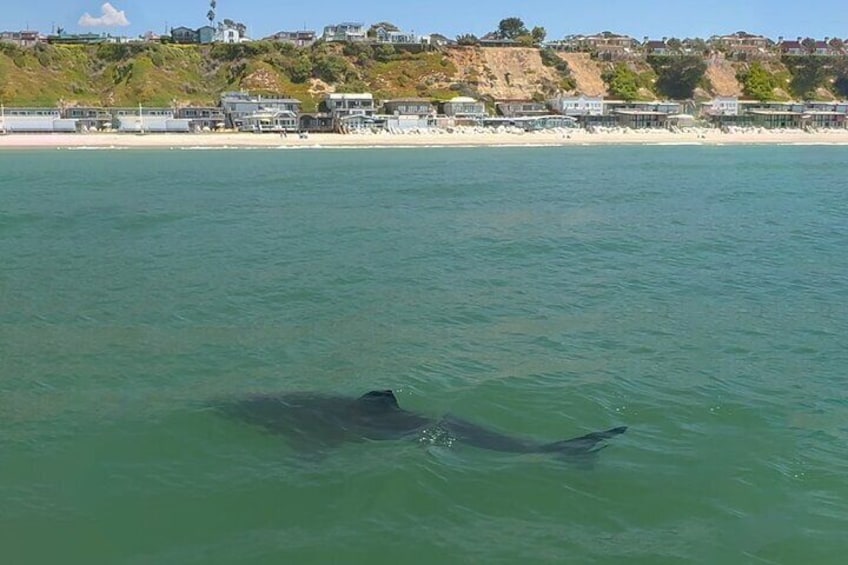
{"points": [[26, 38], [345, 31], [742, 45], [80, 39], [606, 46]]}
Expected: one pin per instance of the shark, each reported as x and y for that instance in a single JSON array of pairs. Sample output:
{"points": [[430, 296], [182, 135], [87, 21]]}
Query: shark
{"points": [[327, 421]]}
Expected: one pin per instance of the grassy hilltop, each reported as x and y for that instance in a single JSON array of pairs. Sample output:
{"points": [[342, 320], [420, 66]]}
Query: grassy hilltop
{"points": [[159, 74]]}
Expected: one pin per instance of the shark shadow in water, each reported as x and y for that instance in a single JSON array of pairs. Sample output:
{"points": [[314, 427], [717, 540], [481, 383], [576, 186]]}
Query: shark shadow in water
{"points": [[321, 421]]}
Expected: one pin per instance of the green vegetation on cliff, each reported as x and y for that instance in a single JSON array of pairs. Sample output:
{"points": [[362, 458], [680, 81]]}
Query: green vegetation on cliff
{"points": [[160, 75]]}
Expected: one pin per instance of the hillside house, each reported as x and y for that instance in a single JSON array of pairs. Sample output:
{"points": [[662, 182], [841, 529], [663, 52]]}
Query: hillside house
{"points": [[345, 31], [184, 35], [494, 39], [296, 38], [383, 35], [656, 47]]}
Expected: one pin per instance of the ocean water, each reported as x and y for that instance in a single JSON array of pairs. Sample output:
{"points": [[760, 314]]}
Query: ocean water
{"points": [[698, 295]]}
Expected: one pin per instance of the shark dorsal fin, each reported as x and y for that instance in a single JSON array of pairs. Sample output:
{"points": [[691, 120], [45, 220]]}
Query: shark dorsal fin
{"points": [[382, 397]]}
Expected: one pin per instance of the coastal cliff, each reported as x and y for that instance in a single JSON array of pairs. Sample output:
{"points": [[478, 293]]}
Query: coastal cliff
{"points": [[163, 75]]}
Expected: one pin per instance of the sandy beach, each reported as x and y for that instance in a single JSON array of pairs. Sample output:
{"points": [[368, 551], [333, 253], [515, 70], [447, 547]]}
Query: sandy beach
{"points": [[471, 138]]}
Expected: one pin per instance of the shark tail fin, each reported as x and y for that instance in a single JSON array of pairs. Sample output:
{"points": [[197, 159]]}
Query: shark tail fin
{"points": [[583, 445]]}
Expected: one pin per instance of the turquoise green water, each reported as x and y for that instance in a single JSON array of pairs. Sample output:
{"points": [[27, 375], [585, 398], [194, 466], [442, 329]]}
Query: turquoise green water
{"points": [[698, 295]]}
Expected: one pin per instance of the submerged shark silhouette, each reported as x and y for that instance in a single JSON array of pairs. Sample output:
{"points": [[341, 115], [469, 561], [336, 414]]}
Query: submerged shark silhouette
{"points": [[316, 420]]}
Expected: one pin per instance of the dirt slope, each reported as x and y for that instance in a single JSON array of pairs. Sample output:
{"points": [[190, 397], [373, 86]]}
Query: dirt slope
{"points": [[722, 77], [586, 72], [504, 73]]}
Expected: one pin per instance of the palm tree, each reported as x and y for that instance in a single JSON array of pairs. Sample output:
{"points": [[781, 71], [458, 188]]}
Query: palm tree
{"points": [[210, 15]]}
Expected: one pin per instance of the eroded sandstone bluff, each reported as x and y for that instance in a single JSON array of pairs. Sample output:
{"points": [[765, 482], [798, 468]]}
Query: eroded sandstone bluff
{"points": [[163, 75]]}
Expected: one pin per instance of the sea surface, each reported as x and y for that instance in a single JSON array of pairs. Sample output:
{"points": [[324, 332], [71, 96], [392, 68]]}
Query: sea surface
{"points": [[698, 295]]}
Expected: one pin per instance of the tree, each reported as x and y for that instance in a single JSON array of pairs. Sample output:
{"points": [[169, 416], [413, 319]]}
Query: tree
{"points": [[467, 39], [622, 82], [512, 28], [674, 44], [758, 83], [808, 74], [677, 77], [300, 70], [809, 44], [836, 44], [539, 34]]}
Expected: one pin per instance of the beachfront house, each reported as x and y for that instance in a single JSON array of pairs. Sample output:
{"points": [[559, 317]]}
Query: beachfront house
{"points": [[520, 108], [464, 107], [89, 118], [296, 38], [643, 115], [578, 105], [723, 106], [825, 115], [421, 107], [35, 120], [148, 120], [346, 31], [247, 112], [405, 114], [350, 110], [316, 122], [202, 118]]}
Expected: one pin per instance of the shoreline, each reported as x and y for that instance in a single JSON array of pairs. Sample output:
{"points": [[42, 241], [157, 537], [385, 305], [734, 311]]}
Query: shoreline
{"points": [[560, 138]]}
